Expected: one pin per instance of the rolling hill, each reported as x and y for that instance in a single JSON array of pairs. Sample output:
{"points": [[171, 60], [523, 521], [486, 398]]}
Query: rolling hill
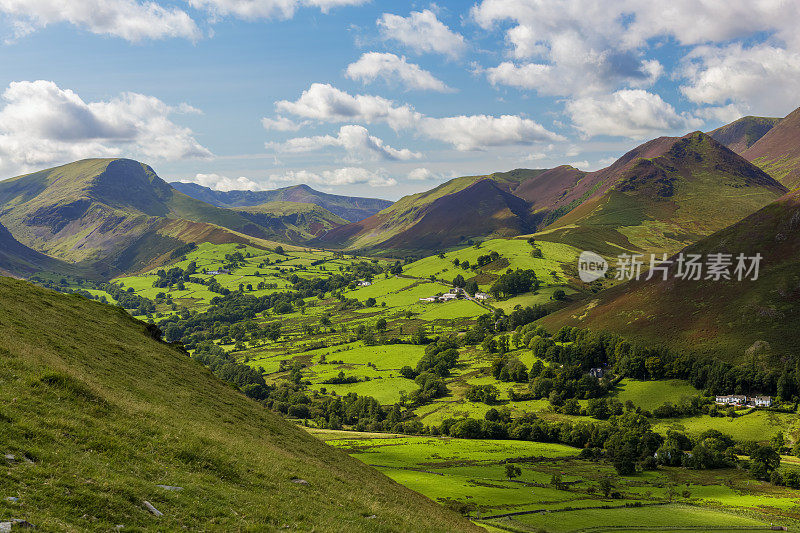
{"points": [[16, 259], [116, 213], [720, 318], [450, 214], [778, 151], [94, 422], [350, 208], [741, 134], [293, 221], [661, 196]]}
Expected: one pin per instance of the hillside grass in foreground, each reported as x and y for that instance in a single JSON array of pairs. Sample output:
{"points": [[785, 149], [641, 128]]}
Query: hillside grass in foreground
{"points": [[97, 414]]}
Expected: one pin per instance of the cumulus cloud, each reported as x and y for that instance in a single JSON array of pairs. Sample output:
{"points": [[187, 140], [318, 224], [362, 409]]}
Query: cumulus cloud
{"points": [[325, 103], [761, 77], [633, 113], [40, 123], [280, 124], [422, 32], [337, 177], [127, 19], [475, 132], [265, 9], [356, 140], [424, 174], [394, 69], [224, 183]]}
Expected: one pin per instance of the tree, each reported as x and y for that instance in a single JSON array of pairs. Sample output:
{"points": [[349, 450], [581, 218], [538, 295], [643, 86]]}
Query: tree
{"points": [[279, 250], [381, 324], [512, 471], [459, 281], [606, 486], [559, 294], [556, 482], [764, 460]]}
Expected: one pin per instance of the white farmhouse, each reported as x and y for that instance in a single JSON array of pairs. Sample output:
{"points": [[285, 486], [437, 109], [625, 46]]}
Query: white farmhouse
{"points": [[481, 296], [732, 399]]}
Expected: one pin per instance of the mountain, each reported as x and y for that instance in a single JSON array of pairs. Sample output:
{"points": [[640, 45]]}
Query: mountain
{"points": [[720, 318], [661, 196], [778, 151], [741, 134], [448, 215], [16, 259], [94, 422], [350, 208], [293, 221], [115, 212]]}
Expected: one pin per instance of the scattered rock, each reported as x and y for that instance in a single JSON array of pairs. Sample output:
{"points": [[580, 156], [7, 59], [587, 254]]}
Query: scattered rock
{"points": [[153, 510], [10, 457], [14, 524], [372, 516], [300, 481], [119, 527], [169, 487], [12, 499]]}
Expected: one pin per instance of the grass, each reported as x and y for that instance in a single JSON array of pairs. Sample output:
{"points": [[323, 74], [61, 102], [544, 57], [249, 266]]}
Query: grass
{"points": [[756, 426], [651, 394], [100, 410]]}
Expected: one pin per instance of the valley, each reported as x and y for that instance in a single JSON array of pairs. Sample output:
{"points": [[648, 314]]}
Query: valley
{"points": [[453, 352]]}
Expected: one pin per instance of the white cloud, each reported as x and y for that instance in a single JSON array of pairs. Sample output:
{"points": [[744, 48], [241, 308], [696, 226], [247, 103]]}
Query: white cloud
{"points": [[475, 132], [394, 69], [40, 123], [264, 9], [127, 19], [280, 124], [422, 32], [761, 78], [224, 183], [337, 177], [356, 140], [325, 103], [633, 113]]}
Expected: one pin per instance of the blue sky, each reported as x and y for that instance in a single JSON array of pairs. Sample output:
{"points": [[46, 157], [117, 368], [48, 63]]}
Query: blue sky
{"points": [[379, 98]]}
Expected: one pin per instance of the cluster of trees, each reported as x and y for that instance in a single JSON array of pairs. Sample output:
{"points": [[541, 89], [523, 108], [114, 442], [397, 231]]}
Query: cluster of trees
{"points": [[644, 362], [515, 282]]}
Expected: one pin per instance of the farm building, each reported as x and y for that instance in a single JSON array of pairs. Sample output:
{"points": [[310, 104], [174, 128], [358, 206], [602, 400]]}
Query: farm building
{"points": [[220, 271], [364, 283], [761, 401], [481, 296], [732, 399], [597, 372]]}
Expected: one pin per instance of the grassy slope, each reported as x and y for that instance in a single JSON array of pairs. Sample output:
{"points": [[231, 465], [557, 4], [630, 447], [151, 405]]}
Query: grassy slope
{"points": [[667, 199], [105, 413], [114, 211], [720, 318], [296, 221]]}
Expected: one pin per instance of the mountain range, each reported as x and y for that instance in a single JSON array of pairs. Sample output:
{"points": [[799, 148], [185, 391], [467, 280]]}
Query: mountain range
{"points": [[350, 208]]}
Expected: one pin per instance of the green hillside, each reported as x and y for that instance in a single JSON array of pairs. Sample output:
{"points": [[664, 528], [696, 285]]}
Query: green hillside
{"points": [[293, 221], [96, 418], [664, 195], [721, 318], [116, 212]]}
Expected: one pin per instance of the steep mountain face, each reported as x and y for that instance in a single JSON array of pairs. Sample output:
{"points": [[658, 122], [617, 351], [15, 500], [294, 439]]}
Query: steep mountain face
{"points": [[93, 424], [293, 221], [448, 215], [97, 210], [778, 151], [728, 319], [444, 221], [662, 196], [17, 259], [741, 134], [350, 208], [550, 194]]}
